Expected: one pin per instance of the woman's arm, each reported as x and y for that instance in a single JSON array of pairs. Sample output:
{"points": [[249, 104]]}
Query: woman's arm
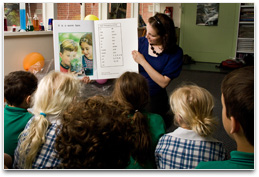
{"points": [[161, 80]]}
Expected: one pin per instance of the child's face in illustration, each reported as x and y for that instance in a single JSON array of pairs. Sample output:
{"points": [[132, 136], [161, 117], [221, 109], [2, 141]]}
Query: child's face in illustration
{"points": [[87, 50], [67, 56]]}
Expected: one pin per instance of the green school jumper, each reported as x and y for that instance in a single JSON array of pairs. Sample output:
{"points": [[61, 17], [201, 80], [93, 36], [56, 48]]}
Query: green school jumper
{"points": [[157, 129], [238, 160], [15, 120]]}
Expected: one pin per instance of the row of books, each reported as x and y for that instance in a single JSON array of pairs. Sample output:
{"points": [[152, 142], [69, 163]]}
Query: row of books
{"points": [[246, 31], [247, 14], [245, 45]]}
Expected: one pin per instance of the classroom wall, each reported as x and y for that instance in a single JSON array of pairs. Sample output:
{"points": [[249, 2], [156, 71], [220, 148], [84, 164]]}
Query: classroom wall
{"points": [[18, 46], [209, 43], [176, 12], [202, 43]]}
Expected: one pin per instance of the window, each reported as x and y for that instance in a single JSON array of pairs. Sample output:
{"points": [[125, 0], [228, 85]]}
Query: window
{"points": [[34, 9], [12, 12], [68, 11], [72, 11], [145, 11], [91, 8], [77, 11]]}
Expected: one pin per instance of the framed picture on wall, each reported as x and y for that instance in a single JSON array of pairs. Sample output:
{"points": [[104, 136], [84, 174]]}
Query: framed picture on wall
{"points": [[207, 14]]}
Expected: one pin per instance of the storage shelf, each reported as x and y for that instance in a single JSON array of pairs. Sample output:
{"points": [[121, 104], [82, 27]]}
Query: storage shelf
{"points": [[246, 6], [28, 33], [246, 22], [245, 38], [250, 52]]}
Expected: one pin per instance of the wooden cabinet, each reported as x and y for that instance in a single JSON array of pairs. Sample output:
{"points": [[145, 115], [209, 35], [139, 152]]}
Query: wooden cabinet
{"points": [[245, 39]]}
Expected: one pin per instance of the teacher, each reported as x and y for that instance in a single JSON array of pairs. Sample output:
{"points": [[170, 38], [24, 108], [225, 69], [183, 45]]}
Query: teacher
{"points": [[159, 59]]}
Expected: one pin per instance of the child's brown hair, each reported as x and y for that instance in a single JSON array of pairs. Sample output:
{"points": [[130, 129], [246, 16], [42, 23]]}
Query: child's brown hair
{"points": [[131, 91], [95, 134], [238, 91], [18, 85]]}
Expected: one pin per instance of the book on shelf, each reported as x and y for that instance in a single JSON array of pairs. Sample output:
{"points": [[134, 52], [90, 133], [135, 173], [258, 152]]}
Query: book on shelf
{"points": [[111, 42], [247, 14]]}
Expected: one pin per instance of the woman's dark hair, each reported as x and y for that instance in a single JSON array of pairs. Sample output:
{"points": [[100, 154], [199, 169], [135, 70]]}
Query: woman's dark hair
{"points": [[95, 134], [131, 91], [165, 28]]}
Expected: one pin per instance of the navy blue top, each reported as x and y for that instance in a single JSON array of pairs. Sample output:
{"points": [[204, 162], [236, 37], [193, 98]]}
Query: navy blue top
{"points": [[169, 65]]}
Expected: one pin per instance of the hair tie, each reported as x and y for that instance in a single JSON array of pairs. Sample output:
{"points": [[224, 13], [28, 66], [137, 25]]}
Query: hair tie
{"points": [[43, 114]]}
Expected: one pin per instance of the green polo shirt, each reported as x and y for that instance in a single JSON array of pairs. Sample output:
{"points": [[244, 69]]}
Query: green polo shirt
{"points": [[15, 120], [238, 160], [157, 129]]}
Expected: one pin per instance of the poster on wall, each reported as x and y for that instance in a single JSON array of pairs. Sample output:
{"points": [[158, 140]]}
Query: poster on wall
{"points": [[99, 49], [207, 14]]}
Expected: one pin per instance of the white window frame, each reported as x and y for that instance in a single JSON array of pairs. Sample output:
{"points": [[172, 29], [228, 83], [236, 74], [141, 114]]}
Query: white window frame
{"points": [[49, 10], [103, 10]]}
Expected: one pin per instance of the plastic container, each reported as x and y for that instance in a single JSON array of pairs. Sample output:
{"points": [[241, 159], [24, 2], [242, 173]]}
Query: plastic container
{"points": [[5, 23], [50, 25], [22, 17], [41, 26], [14, 28], [35, 23], [29, 25]]}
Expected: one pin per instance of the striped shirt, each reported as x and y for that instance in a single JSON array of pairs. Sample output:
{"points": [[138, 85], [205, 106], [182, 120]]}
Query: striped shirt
{"points": [[87, 65], [184, 149], [47, 156]]}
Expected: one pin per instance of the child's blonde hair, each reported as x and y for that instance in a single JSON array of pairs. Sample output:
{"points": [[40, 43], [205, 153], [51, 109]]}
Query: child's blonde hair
{"points": [[194, 106], [54, 93], [68, 44]]}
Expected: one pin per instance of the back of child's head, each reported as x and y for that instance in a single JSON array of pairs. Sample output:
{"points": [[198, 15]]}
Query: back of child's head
{"points": [[87, 37], [69, 45], [18, 85], [131, 91], [95, 134], [194, 105], [55, 92], [238, 92]]}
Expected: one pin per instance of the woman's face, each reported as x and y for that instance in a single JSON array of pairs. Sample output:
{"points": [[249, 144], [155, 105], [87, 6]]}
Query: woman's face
{"points": [[152, 36], [87, 50]]}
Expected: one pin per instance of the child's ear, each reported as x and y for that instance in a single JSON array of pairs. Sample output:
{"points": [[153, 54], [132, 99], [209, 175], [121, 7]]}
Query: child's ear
{"points": [[235, 126], [28, 99], [60, 54]]}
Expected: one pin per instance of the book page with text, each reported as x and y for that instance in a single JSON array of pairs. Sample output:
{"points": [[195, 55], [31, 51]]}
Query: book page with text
{"points": [[115, 40]]}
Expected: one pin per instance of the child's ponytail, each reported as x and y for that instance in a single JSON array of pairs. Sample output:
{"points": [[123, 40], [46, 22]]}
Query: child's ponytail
{"points": [[34, 138], [204, 126], [195, 105], [53, 95], [142, 136]]}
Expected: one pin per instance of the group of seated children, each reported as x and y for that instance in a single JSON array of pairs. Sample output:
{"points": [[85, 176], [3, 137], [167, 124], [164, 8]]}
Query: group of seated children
{"points": [[115, 132]]}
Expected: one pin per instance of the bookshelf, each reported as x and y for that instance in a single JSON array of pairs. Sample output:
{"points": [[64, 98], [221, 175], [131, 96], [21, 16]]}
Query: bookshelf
{"points": [[245, 39]]}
